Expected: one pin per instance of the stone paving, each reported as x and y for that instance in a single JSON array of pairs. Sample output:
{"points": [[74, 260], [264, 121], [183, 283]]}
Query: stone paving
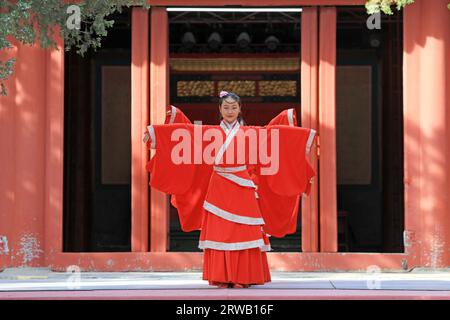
{"points": [[30, 282]]}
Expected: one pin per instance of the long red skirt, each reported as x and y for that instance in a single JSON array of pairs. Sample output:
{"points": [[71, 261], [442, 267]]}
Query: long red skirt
{"points": [[240, 266]]}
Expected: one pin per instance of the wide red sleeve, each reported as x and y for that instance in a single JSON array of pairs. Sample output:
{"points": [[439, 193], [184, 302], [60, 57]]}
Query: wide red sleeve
{"points": [[167, 174], [187, 184], [280, 212], [175, 115], [292, 176], [289, 117], [286, 117], [279, 192], [190, 204]]}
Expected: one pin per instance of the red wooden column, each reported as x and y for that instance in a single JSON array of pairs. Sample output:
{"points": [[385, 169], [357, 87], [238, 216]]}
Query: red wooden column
{"points": [[427, 133], [54, 155], [139, 122], [309, 74], [159, 81], [23, 158], [30, 155], [327, 129], [8, 200]]}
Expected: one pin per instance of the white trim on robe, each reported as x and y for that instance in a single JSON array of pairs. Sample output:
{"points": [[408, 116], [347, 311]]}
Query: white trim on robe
{"points": [[231, 216], [290, 116], [227, 127], [151, 131], [224, 127], [226, 144], [203, 244], [266, 248], [312, 133], [238, 180], [230, 169], [173, 114]]}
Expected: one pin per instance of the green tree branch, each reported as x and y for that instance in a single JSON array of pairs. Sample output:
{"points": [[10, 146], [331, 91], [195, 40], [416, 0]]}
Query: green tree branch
{"points": [[38, 21]]}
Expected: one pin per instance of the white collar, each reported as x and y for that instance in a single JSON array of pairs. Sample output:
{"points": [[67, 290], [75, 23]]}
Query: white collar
{"points": [[227, 127], [230, 125], [230, 133]]}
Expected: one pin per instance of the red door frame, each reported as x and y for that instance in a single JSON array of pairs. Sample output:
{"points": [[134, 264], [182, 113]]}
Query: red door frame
{"points": [[327, 129], [139, 120], [309, 116], [157, 259], [159, 99]]}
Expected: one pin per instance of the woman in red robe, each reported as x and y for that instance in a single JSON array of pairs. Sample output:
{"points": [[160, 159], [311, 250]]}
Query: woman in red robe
{"points": [[233, 201]]}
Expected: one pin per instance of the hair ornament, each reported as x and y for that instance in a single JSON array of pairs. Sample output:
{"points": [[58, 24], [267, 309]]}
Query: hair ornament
{"points": [[223, 94]]}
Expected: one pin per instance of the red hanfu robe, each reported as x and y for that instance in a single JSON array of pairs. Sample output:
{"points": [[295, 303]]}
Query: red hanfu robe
{"points": [[220, 199]]}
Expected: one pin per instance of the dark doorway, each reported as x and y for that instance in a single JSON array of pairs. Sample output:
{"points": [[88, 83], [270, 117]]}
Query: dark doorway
{"points": [[97, 149], [369, 113]]}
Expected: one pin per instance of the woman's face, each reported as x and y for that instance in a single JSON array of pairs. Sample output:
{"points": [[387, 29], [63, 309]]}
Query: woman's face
{"points": [[229, 109]]}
